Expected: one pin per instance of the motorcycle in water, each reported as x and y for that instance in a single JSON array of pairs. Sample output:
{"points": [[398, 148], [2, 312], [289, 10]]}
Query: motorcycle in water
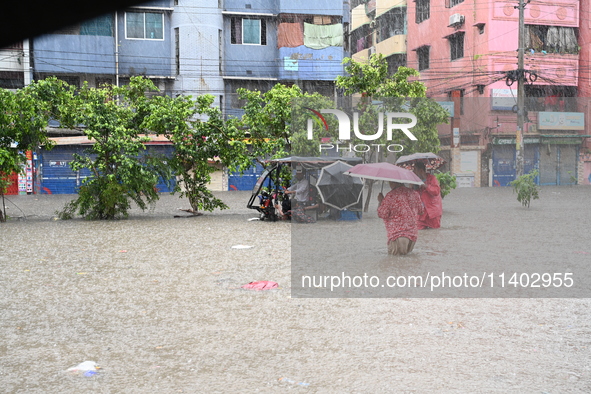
{"points": [[269, 203]]}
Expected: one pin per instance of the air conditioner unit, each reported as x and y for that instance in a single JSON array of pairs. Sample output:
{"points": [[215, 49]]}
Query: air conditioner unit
{"points": [[456, 19], [371, 51]]}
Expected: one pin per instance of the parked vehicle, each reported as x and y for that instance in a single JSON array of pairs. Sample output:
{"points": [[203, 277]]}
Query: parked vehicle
{"points": [[269, 190]]}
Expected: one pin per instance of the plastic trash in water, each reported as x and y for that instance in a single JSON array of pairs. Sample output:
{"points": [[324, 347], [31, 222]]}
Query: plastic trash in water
{"points": [[87, 368], [261, 285], [90, 373], [241, 247], [291, 381]]}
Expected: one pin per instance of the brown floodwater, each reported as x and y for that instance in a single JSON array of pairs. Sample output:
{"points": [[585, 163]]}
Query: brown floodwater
{"points": [[157, 302]]}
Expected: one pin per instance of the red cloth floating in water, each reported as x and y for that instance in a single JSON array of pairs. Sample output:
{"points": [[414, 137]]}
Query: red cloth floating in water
{"points": [[261, 285]]}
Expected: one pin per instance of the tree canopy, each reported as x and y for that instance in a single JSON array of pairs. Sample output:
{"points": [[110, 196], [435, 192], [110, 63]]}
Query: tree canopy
{"points": [[275, 126], [375, 91], [24, 118]]}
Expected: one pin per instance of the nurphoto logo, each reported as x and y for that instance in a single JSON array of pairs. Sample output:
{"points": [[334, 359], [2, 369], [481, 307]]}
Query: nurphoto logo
{"points": [[345, 130]]}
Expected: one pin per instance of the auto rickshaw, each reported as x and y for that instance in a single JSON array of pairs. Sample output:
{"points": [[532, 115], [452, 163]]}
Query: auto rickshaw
{"points": [[269, 190]]}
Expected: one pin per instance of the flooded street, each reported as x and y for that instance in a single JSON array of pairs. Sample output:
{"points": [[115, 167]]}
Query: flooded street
{"points": [[157, 302]]}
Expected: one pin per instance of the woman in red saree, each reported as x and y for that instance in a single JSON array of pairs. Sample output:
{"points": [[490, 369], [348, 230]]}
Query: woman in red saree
{"points": [[431, 197]]}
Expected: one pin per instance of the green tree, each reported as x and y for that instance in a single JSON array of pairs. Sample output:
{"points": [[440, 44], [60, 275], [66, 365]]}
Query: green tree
{"points": [[276, 126], [199, 135], [24, 117], [395, 93], [526, 188], [116, 120]]}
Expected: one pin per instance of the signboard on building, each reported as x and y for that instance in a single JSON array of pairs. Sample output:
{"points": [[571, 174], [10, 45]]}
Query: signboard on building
{"points": [[561, 121], [465, 180], [511, 141], [448, 106], [469, 161], [290, 64], [503, 99], [456, 136]]}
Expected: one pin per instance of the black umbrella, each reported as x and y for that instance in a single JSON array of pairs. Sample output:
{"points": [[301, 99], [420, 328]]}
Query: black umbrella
{"points": [[337, 189]]}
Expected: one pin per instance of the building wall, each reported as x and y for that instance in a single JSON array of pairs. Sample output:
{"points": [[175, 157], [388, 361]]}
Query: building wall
{"points": [[316, 7], [251, 61], [200, 28], [268, 6], [584, 65], [14, 65], [74, 54], [303, 63], [490, 43], [149, 57]]}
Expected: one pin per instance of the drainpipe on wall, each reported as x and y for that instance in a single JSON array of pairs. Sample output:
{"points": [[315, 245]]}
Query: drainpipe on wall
{"points": [[116, 49], [27, 70]]}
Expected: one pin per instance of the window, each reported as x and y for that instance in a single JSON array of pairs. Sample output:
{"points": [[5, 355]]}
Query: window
{"points": [[423, 55], [11, 80], [553, 39], [144, 25], [71, 80], [101, 82], [248, 31], [361, 39], [423, 10], [452, 3], [456, 45], [392, 23], [100, 26], [395, 61]]}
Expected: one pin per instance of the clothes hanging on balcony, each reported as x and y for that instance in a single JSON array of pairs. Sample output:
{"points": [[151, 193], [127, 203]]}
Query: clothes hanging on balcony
{"points": [[361, 44], [561, 39], [552, 39], [323, 36], [290, 35], [568, 40], [533, 40]]}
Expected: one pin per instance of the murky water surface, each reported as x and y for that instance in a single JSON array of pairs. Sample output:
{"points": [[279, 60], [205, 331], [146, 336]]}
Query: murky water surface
{"points": [[157, 302]]}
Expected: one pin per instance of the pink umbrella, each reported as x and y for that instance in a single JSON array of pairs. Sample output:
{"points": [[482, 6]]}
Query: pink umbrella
{"points": [[384, 172]]}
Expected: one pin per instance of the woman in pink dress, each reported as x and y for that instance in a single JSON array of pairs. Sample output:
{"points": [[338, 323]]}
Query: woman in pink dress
{"points": [[400, 209]]}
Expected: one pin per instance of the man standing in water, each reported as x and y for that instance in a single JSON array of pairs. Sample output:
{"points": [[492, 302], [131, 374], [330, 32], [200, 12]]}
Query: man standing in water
{"points": [[400, 209], [301, 189]]}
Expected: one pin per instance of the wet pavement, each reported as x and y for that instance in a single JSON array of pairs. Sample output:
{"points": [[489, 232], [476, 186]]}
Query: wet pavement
{"points": [[157, 302]]}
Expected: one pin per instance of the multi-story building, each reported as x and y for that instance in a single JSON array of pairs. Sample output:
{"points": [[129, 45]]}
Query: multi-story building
{"points": [[379, 26], [584, 87], [267, 42], [466, 51], [291, 42], [186, 47]]}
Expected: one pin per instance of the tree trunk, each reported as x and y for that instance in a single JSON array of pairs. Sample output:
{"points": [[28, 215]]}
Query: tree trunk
{"points": [[3, 210]]}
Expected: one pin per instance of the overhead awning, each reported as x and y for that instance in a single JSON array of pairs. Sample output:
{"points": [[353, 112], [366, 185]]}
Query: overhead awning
{"points": [[242, 13], [455, 33]]}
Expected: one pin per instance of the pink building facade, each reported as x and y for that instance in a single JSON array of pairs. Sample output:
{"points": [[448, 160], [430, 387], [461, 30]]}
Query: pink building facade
{"points": [[466, 51]]}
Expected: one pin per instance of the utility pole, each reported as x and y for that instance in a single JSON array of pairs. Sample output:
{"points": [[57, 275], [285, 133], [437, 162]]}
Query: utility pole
{"points": [[519, 159]]}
